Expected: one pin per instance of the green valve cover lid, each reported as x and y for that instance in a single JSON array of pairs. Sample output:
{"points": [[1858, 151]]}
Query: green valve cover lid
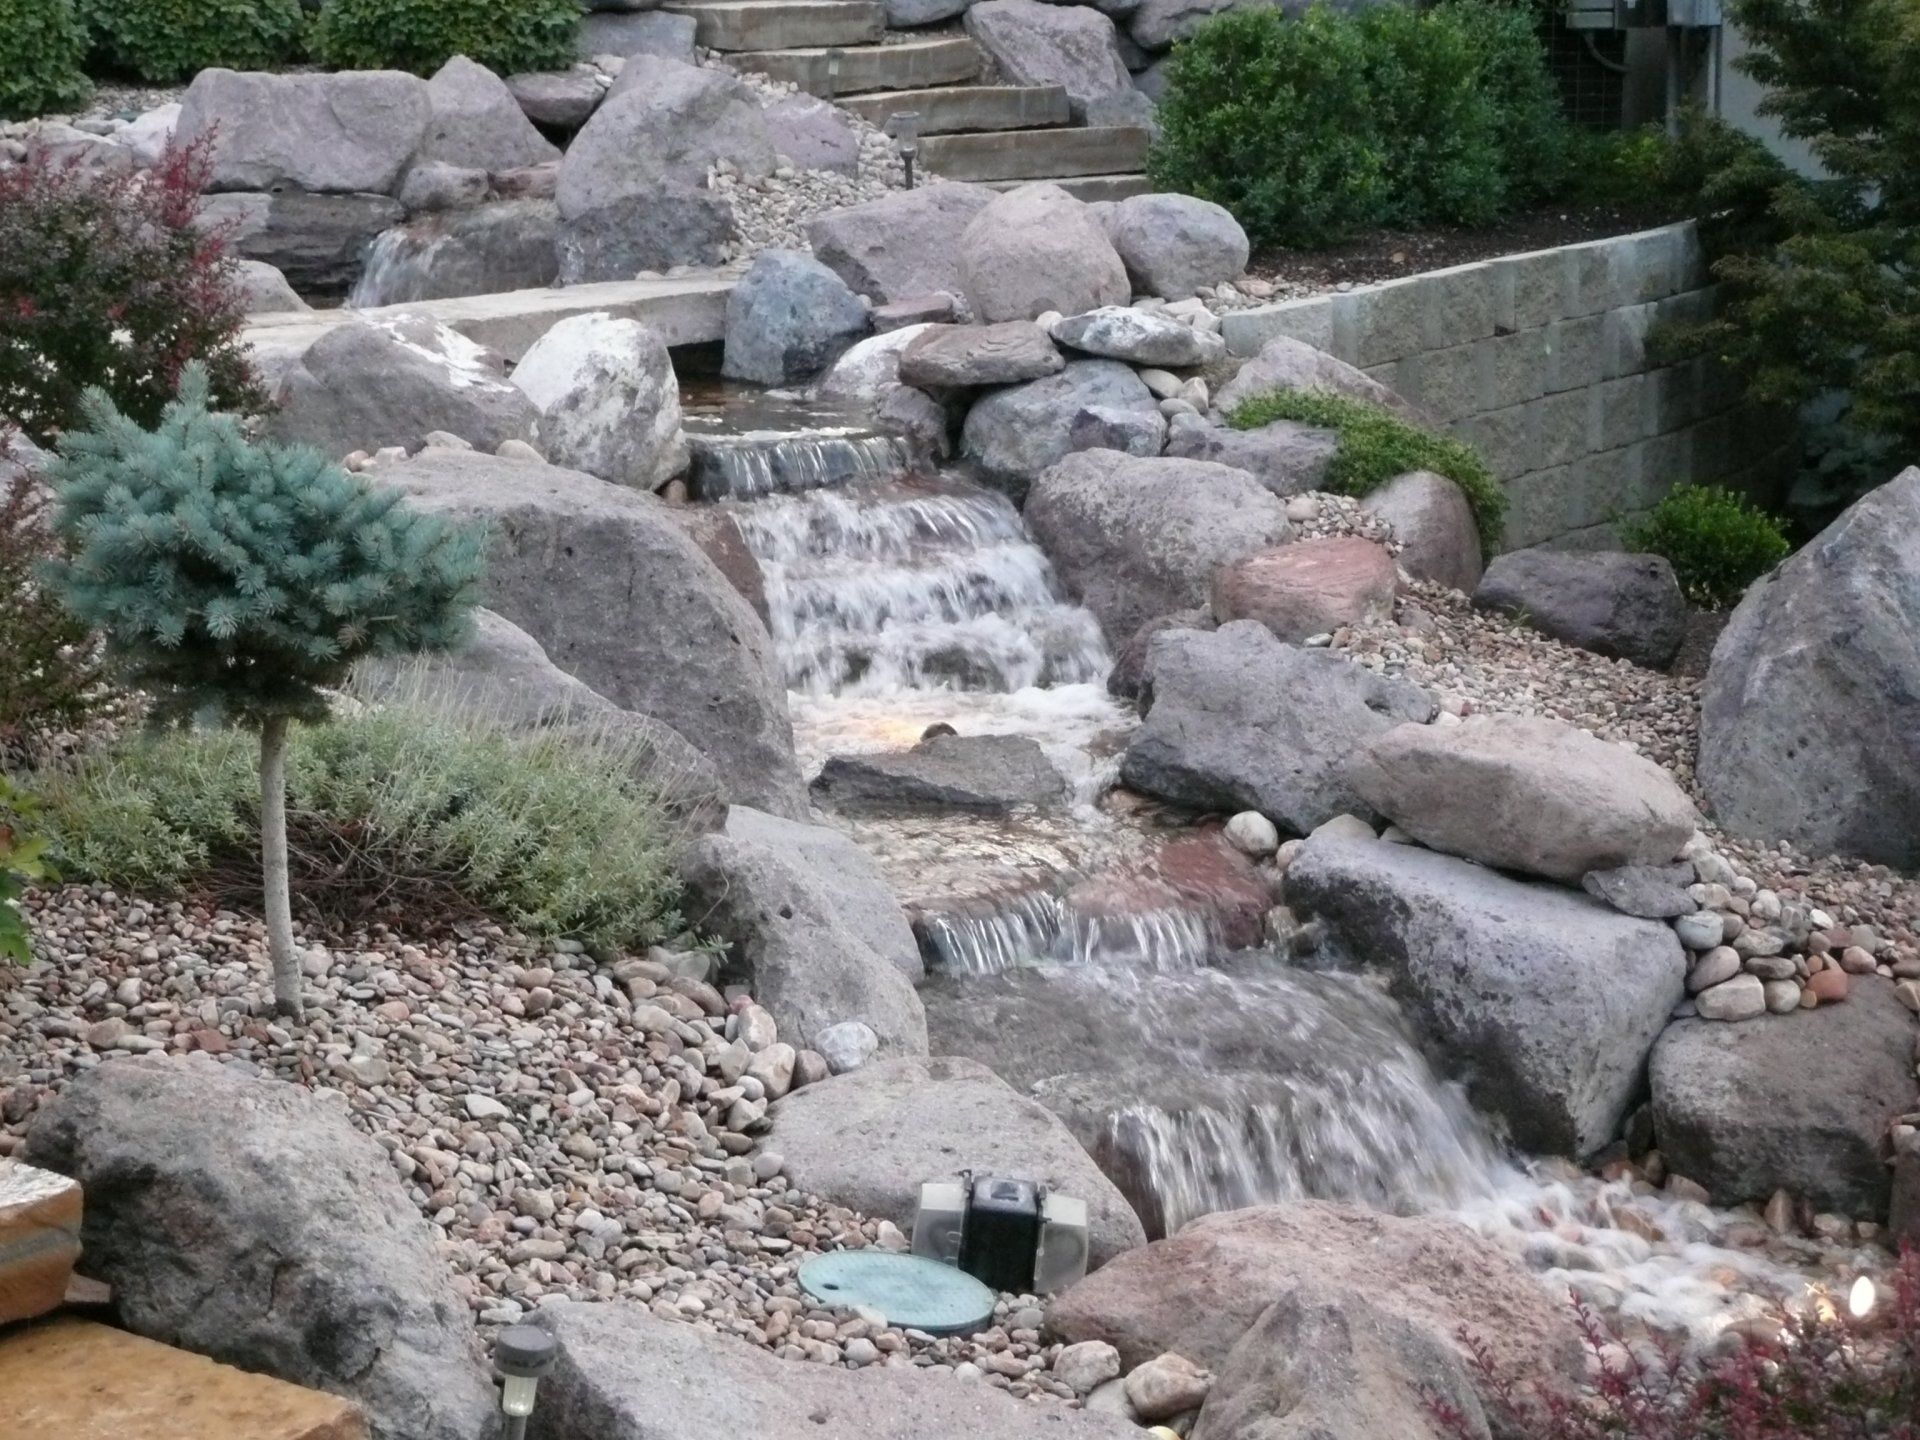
{"points": [[910, 1290]]}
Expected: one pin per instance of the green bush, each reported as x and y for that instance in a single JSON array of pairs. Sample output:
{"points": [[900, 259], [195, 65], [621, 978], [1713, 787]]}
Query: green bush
{"points": [[45, 47], [507, 36], [1717, 543], [400, 809], [1376, 445], [1309, 128], [163, 41]]}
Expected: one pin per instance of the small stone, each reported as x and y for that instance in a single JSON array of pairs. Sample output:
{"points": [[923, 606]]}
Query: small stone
{"points": [[757, 1028], [519, 450], [485, 1107], [847, 1046], [1829, 984], [1856, 960], [1782, 996], [1166, 1386], [773, 1068], [1703, 930], [1087, 1365], [1718, 965], [1741, 998], [1253, 834], [1679, 1187]]}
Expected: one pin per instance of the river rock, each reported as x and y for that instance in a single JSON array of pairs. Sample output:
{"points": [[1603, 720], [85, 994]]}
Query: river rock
{"points": [[264, 290], [1240, 721], [1172, 245], [1309, 587], [1072, 46], [1430, 516], [1288, 459], [810, 923], [1545, 1000], [1821, 1141], [643, 615], [340, 133], [371, 383], [992, 773], [625, 1374], [560, 99], [1014, 434], [1135, 538], [1653, 892], [477, 123], [247, 1219], [1744, 997], [609, 403], [787, 318], [867, 1141], [1287, 364], [1525, 793], [506, 246], [1628, 607], [1810, 713], [950, 357], [659, 34], [903, 245], [317, 241], [1139, 337], [1036, 248]]}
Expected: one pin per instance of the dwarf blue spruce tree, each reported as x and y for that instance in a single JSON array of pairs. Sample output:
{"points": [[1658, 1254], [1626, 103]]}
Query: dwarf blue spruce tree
{"points": [[235, 583]]}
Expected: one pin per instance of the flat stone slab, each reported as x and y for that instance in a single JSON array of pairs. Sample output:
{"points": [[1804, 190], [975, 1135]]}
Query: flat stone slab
{"points": [[994, 773], [39, 1239]]}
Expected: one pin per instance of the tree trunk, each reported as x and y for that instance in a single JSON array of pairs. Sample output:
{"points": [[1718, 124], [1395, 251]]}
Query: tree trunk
{"points": [[273, 857]]}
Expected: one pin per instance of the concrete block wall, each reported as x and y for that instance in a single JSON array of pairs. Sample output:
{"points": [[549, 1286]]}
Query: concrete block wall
{"points": [[1540, 361]]}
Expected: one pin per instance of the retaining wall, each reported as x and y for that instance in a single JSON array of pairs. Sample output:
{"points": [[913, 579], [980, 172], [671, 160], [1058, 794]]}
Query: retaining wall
{"points": [[1540, 361]]}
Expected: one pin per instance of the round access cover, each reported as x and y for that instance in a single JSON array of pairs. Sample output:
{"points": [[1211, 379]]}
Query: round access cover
{"points": [[910, 1290]]}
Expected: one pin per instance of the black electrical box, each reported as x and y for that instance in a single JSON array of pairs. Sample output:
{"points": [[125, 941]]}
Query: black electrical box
{"points": [[1002, 1233]]}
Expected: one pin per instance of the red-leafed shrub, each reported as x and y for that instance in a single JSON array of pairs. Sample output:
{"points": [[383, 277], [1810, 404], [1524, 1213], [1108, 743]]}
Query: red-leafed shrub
{"points": [[1827, 1378], [105, 280]]}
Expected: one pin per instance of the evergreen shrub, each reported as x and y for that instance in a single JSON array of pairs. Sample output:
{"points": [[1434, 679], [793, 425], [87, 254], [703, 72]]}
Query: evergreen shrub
{"points": [[45, 46], [1717, 543], [506, 36], [165, 41]]}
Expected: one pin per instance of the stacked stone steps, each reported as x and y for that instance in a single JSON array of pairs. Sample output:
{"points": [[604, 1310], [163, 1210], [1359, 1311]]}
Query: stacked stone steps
{"points": [[1090, 188], [947, 60], [749, 26], [966, 109], [1018, 156]]}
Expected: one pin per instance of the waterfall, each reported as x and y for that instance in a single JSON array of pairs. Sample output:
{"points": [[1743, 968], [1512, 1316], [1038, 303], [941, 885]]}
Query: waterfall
{"points": [[1034, 927], [746, 466], [396, 266]]}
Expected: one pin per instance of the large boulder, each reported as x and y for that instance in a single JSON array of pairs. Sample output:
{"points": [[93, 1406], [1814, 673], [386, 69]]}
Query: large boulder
{"points": [[609, 402], [264, 290], [952, 357], [619, 594], [902, 246], [625, 1374], [1439, 538], [1308, 588], [1288, 459], [247, 1219], [788, 318], [1737, 1109], [481, 251], [1201, 1292], [1174, 244], [1036, 248], [371, 383], [1072, 46], [1810, 714], [1288, 364], [993, 773], [1544, 999], [559, 99], [477, 123], [1140, 337], [867, 1140], [1628, 607], [1525, 793], [1014, 434], [1240, 721], [811, 926], [1135, 538], [340, 133], [673, 224], [317, 241]]}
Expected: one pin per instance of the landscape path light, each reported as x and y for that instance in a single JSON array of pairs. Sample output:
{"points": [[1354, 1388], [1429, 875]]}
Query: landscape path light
{"points": [[523, 1354], [904, 126]]}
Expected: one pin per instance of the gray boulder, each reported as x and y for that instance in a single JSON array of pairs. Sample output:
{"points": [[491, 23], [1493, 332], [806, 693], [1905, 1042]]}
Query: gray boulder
{"points": [[1287, 364], [430, 185], [1128, 678], [905, 14], [477, 123], [1543, 999], [952, 357], [1824, 1141], [609, 402], [673, 224], [1430, 516], [1033, 43], [1036, 248], [659, 34], [482, 251], [902, 246], [1134, 538], [340, 133], [606, 579], [994, 773], [868, 1139], [1309, 587], [1174, 244], [814, 135], [264, 290], [1654, 892], [1156, 24], [1288, 459], [1140, 337], [1526, 793], [371, 383], [1140, 433], [1239, 721], [811, 926], [1810, 714], [1014, 434], [788, 318], [560, 99], [247, 1219], [1628, 607], [317, 241], [625, 1374]]}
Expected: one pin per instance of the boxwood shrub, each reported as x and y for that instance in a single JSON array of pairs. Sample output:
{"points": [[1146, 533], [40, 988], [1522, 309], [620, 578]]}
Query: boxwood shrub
{"points": [[45, 46], [506, 36], [164, 41]]}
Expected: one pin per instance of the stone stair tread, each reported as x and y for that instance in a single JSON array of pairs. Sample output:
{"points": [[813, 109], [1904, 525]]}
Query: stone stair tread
{"points": [[952, 109], [911, 64], [1036, 154], [1089, 188], [749, 25]]}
